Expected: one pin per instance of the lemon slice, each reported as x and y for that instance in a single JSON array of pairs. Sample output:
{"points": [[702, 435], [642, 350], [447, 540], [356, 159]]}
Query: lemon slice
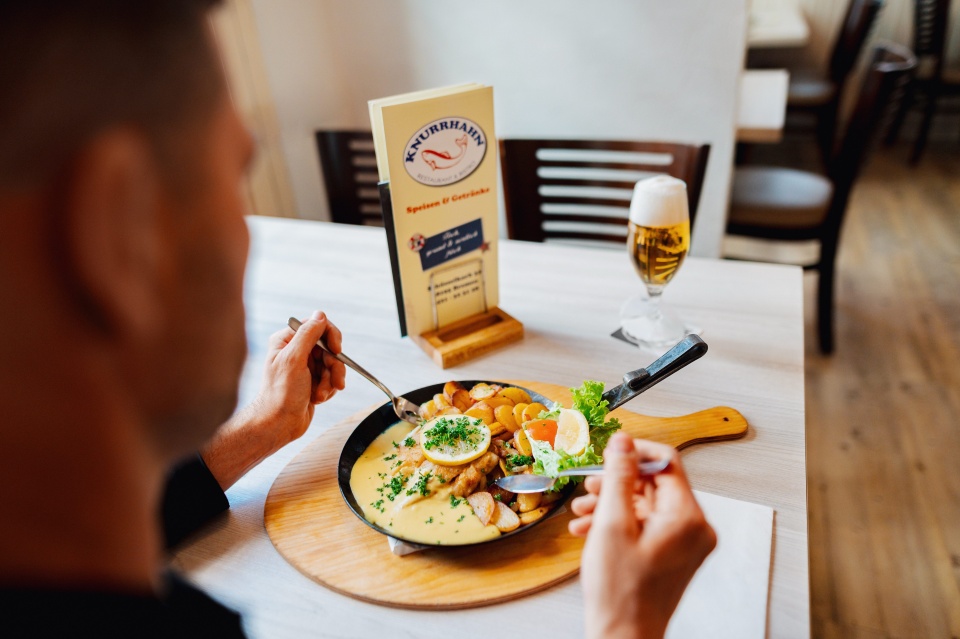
{"points": [[573, 432], [450, 440]]}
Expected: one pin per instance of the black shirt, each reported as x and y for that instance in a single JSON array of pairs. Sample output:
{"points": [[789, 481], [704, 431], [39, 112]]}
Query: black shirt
{"points": [[192, 498]]}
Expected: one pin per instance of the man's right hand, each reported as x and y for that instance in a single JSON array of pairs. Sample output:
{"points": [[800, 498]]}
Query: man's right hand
{"points": [[646, 537], [299, 374]]}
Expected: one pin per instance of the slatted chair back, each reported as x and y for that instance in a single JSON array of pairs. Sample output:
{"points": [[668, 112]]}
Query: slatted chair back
{"points": [[349, 166], [890, 70], [859, 19], [930, 20], [581, 189]]}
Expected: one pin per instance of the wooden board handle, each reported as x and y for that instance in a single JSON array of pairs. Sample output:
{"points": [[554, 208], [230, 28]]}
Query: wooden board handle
{"points": [[710, 425]]}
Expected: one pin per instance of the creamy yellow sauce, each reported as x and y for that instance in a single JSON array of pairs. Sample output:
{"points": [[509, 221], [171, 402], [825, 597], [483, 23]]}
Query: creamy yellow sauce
{"points": [[426, 519]]}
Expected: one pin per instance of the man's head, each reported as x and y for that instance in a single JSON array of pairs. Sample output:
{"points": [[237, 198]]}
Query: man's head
{"points": [[121, 223]]}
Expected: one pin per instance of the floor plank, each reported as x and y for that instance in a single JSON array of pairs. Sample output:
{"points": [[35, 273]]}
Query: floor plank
{"points": [[883, 412]]}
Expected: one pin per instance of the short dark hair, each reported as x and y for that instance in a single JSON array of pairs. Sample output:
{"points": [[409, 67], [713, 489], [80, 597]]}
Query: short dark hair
{"points": [[72, 68]]}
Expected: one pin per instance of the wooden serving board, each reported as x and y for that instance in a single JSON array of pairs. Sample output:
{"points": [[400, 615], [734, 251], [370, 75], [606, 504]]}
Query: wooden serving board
{"points": [[313, 528]]}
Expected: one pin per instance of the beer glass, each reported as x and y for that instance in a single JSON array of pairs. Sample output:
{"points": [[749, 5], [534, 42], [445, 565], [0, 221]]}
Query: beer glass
{"points": [[658, 240]]}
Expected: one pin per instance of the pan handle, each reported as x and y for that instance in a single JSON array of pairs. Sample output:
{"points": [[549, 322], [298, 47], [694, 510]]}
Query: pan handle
{"points": [[690, 349]]}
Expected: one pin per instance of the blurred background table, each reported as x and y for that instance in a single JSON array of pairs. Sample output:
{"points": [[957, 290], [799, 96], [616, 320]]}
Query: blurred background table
{"points": [[776, 24], [762, 109], [568, 299]]}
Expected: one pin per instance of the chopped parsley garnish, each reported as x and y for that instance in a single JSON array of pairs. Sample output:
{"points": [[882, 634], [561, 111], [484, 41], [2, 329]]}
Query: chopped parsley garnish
{"points": [[498, 497], [396, 486], [421, 486], [429, 521], [519, 460], [390, 458], [454, 502], [409, 441], [398, 464], [461, 519], [396, 445], [378, 505], [452, 432]]}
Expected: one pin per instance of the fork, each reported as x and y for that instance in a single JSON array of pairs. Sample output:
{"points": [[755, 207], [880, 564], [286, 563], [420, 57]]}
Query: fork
{"points": [[528, 483], [403, 407]]}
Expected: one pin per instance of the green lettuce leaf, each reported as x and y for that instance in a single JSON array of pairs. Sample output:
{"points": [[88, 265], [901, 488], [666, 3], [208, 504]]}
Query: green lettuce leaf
{"points": [[588, 400], [550, 462]]}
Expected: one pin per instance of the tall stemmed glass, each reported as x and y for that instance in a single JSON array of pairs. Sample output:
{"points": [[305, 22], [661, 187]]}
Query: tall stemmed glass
{"points": [[657, 241]]}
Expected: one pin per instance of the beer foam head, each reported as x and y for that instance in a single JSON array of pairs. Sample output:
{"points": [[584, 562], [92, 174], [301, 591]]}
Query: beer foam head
{"points": [[659, 201]]}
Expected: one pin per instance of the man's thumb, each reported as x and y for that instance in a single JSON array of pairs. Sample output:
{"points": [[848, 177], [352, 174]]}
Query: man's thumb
{"points": [[619, 480]]}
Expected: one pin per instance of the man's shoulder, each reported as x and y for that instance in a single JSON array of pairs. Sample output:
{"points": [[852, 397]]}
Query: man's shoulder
{"points": [[182, 611]]}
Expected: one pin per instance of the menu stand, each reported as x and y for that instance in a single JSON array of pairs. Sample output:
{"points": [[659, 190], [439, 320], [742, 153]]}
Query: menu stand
{"points": [[459, 341]]}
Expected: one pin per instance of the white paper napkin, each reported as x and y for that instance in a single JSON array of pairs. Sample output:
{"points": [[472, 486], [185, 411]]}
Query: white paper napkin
{"points": [[733, 583]]}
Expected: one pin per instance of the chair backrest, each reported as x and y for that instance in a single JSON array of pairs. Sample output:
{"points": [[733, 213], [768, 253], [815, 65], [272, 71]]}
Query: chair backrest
{"points": [[889, 71], [349, 167], [581, 189], [930, 20], [861, 14]]}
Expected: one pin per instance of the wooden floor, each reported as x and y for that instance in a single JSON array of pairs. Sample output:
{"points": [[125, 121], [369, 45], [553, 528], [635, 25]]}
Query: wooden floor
{"points": [[883, 413]]}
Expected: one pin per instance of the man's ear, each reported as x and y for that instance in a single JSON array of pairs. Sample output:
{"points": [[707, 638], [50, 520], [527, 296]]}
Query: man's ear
{"points": [[112, 231]]}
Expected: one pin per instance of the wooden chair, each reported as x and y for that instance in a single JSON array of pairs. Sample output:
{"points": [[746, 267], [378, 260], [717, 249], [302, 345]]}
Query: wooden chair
{"points": [[349, 167], [580, 189], [932, 81], [786, 204], [819, 94]]}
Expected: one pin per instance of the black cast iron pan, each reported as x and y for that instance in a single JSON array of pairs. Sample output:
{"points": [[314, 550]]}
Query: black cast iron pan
{"points": [[634, 383]]}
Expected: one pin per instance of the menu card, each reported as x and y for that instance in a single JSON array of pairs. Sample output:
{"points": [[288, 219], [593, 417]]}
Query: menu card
{"points": [[438, 169]]}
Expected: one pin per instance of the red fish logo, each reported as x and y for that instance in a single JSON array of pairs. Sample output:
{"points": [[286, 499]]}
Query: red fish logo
{"points": [[445, 151], [443, 159]]}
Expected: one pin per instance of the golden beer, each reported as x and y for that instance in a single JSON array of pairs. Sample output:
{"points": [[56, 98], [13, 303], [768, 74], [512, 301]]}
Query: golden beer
{"points": [[658, 251]]}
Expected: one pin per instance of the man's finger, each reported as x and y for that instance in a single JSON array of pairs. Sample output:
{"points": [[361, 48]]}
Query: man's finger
{"points": [[593, 484], [278, 340], [672, 488], [583, 505], [580, 527], [333, 338], [303, 341], [615, 505]]}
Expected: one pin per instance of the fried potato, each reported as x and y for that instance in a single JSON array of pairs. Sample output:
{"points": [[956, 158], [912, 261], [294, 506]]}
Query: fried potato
{"points": [[505, 496], [550, 497], [461, 399], [483, 506], [518, 413], [428, 409], [449, 410], [481, 411], [494, 402], [504, 518], [528, 501], [441, 401], [533, 515], [504, 415], [496, 428], [482, 391], [521, 443], [518, 395], [532, 411], [450, 389]]}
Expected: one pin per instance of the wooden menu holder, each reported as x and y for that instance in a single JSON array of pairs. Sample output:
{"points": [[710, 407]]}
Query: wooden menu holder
{"points": [[470, 337], [459, 341]]}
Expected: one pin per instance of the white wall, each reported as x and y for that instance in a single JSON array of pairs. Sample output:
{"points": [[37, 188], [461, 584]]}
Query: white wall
{"points": [[625, 69]]}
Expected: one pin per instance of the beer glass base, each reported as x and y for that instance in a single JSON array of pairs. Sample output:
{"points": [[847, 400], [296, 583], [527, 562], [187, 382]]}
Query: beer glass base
{"points": [[646, 323]]}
